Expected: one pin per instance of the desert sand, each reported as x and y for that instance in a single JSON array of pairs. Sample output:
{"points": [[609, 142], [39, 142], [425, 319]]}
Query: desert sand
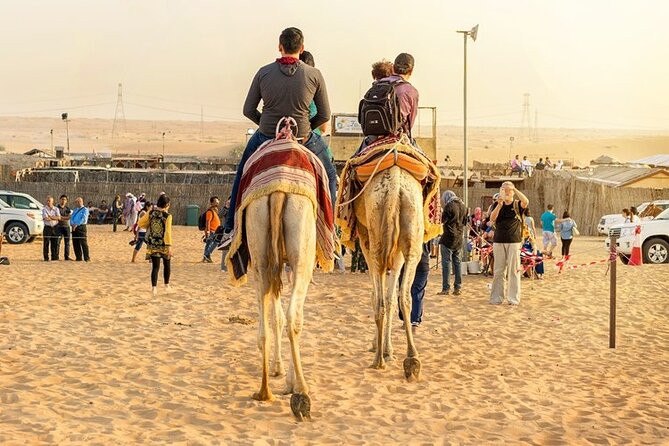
{"points": [[223, 138], [87, 356]]}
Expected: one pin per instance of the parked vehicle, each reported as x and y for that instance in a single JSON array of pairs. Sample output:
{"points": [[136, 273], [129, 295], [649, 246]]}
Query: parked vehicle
{"points": [[19, 200], [654, 239], [607, 221], [20, 225]]}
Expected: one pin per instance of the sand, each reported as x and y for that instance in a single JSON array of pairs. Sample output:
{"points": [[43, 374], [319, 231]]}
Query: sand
{"points": [[87, 356], [223, 138]]}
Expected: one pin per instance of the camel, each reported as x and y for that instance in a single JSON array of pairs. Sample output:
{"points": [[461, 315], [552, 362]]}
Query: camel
{"points": [[282, 226], [390, 228]]}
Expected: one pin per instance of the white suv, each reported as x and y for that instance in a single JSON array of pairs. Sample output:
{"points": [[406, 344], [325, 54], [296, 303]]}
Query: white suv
{"points": [[615, 219], [20, 225], [654, 239]]}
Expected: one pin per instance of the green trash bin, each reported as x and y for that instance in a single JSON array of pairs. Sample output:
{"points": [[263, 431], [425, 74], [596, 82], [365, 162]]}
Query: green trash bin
{"points": [[192, 214]]}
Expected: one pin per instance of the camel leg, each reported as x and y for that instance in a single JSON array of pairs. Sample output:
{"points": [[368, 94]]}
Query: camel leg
{"points": [[411, 362], [257, 213], [391, 299], [379, 300], [278, 321], [300, 239], [264, 394], [364, 247]]}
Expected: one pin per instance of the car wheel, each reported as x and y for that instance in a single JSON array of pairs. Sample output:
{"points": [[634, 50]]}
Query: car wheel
{"points": [[624, 259], [16, 233], [656, 251]]}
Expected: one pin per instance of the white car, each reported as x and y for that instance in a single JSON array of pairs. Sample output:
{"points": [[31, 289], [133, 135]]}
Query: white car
{"points": [[654, 239], [615, 219], [20, 225]]}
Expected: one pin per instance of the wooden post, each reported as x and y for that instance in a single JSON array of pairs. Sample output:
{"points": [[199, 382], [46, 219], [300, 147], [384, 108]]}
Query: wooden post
{"points": [[612, 290]]}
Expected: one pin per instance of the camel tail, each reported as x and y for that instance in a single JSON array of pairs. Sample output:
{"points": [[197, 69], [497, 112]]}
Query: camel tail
{"points": [[390, 226], [275, 243]]}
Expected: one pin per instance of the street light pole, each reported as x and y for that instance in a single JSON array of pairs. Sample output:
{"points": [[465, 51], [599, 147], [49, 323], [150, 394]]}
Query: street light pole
{"points": [[465, 192], [465, 185], [67, 130], [52, 151], [465, 173], [163, 150]]}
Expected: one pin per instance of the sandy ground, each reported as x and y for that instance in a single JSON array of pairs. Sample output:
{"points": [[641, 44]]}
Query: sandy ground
{"points": [[222, 138], [87, 356]]}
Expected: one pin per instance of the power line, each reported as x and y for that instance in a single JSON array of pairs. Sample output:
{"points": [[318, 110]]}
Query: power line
{"points": [[175, 101], [65, 107], [182, 112]]}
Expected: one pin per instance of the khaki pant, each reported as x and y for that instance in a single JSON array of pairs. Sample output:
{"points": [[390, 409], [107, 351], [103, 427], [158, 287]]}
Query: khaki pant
{"points": [[507, 267]]}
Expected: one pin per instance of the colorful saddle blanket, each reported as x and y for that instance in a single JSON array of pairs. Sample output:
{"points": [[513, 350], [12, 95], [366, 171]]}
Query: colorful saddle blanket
{"points": [[361, 166], [282, 165]]}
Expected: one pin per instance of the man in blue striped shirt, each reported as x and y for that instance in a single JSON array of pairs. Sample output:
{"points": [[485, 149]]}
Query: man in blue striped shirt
{"points": [[79, 221]]}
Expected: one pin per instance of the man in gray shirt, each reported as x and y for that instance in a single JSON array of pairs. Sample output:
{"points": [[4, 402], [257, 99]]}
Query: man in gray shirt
{"points": [[286, 87], [51, 217]]}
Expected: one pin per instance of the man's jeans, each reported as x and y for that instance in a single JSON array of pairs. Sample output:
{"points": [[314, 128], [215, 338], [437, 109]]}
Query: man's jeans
{"points": [[418, 286], [317, 146], [449, 256], [210, 244], [64, 232]]}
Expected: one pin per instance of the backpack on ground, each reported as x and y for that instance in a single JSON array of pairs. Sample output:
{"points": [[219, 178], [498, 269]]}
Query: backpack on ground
{"points": [[379, 110], [202, 221]]}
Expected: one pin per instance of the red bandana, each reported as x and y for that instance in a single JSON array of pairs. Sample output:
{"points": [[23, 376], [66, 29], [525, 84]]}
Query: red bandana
{"points": [[286, 60]]}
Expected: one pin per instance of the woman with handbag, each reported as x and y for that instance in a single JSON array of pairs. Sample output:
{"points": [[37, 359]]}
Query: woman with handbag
{"points": [[568, 229]]}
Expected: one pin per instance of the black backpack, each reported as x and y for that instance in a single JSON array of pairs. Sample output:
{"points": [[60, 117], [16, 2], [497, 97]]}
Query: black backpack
{"points": [[379, 111], [202, 221]]}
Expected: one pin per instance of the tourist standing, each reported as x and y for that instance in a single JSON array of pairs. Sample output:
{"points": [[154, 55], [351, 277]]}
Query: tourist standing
{"points": [[51, 217], [634, 215], [79, 222], [507, 217], [548, 230], [568, 228], [418, 288], [453, 218], [140, 233], [158, 223], [212, 222], [129, 211], [117, 211], [63, 230]]}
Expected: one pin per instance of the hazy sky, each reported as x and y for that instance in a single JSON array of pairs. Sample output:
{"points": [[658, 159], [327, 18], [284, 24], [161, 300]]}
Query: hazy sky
{"points": [[586, 63]]}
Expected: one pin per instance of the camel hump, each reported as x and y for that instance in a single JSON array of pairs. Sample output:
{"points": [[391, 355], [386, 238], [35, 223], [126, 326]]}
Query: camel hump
{"points": [[275, 246]]}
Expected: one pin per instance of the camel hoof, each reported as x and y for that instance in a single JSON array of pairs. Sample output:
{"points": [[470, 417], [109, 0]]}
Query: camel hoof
{"points": [[412, 369], [378, 365], [278, 373], [263, 395], [300, 404]]}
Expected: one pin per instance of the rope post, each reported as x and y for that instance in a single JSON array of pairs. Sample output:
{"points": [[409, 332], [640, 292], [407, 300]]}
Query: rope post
{"points": [[612, 291]]}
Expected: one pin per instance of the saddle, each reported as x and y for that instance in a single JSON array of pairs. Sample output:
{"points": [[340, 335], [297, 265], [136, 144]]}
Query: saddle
{"points": [[415, 167]]}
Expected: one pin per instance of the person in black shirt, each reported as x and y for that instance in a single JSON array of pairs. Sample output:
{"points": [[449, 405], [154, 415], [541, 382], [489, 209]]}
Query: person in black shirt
{"points": [[63, 230], [454, 218], [507, 216]]}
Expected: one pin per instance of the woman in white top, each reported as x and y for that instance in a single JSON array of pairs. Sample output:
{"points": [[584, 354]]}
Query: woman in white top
{"points": [[634, 215], [140, 233]]}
